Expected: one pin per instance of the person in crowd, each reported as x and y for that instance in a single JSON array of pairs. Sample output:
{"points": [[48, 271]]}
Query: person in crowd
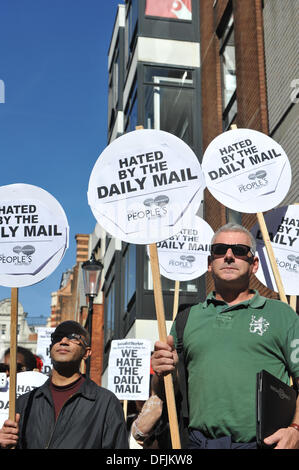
{"points": [[228, 339], [148, 424], [26, 360], [69, 411]]}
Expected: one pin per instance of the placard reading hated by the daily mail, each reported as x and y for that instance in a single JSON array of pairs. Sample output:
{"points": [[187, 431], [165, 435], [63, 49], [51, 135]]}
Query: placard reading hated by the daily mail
{"points": [[246, 170], [143, 186], [129, 369], [185, 256], [33, 234], [283, 228]]}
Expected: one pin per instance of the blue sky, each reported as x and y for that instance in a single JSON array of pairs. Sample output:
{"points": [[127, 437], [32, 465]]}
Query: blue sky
{"points": [[53, 123]]}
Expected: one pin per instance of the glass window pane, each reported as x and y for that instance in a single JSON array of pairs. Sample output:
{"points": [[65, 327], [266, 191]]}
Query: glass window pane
{"points": [[129, 265], [131, 111], [179, 77], [228, 64], [170, 109]]}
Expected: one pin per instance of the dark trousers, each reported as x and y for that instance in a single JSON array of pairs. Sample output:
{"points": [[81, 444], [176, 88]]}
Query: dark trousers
{"points": [[198, 441]]}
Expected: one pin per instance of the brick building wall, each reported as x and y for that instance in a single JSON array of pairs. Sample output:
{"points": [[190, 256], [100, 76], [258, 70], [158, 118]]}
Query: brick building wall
{"points": [[251, 93]]}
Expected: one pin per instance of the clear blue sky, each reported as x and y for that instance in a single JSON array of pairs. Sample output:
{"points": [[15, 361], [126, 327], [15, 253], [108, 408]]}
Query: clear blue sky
{"points": [[53, 124]]}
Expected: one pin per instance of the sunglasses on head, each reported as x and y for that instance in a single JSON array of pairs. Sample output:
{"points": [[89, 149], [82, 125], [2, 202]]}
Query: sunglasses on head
{"points": [[74, 337], [238, 249]]}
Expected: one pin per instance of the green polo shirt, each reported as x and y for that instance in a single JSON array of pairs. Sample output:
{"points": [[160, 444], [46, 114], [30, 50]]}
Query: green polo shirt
{"points": [[225, 347]]}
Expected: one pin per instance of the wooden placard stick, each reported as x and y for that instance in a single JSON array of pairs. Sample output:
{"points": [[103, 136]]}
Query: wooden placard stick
{"points": [[293, 302], [13, 353], [168, 383], [293, 298], [176, 299], [125, 409]]}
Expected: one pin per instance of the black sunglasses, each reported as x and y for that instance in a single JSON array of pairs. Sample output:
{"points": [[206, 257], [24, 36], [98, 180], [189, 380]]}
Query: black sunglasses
{"points": [[238, 249], [74, 337], [6, 368]]}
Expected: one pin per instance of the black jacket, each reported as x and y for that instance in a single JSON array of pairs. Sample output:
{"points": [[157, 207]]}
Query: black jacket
{"points": [[91, 419]]}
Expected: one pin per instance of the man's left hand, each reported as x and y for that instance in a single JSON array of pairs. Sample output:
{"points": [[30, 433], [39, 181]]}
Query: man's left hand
{"points": [[285, 438]]}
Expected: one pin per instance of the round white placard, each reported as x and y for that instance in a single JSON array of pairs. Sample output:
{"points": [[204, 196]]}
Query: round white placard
{"points": [[33, 234], [246, 170], [184, 256], [144, 185], [283, 228]]}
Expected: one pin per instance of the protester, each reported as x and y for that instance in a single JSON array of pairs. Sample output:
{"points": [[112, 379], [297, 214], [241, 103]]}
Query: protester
{"points": [[69, 411], [26, 360], [150, 427], [228, 338]]}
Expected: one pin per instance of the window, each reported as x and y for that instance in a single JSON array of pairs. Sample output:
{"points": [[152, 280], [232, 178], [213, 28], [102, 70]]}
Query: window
{"points": [[129, 269], [113, 88], [228, 71], [110, 312], [169, 101], [131, 111], [131, 29], [107, 240]]}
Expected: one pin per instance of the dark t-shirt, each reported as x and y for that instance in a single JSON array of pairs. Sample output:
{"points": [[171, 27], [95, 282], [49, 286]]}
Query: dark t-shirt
{"points": [[62, 394]]}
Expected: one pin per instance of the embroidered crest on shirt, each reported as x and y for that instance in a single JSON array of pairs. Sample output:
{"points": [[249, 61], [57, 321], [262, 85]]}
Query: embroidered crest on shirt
{"points": [[258, 326]]}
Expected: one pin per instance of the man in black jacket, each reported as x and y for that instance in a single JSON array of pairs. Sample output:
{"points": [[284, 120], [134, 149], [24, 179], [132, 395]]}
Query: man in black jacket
{"points": [[69, 411]]}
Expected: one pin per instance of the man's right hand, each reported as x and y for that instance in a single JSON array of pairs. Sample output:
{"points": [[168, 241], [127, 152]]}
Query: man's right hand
{"points": [[164, 358], [9, 433]]}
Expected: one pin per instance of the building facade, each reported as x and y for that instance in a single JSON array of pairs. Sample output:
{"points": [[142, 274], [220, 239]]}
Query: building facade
{"points": [[26, 336], [248, 68]]}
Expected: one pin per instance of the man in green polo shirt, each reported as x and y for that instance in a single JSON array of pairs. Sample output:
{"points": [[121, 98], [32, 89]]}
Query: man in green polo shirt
{"points": [[230, 337]]}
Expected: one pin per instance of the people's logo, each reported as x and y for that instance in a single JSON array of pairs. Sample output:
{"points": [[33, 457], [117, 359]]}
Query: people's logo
{"points": [[257, 181], [259, 326], [293, 258], [26, 250], [186, 261], [189, 258], [22, 255], [154, 207]]}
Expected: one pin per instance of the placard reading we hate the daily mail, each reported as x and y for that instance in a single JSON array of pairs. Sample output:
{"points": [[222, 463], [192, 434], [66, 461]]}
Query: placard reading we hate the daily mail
{"points": [[33, 234], [283, 228], [184, 256], [246, 170], [144, 184], [129, 369]]}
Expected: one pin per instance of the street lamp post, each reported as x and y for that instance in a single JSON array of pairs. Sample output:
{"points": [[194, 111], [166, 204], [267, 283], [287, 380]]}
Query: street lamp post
{"points": [[92, 270]]}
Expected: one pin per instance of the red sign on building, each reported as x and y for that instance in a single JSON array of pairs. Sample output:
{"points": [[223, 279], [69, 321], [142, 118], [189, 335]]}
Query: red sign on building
{"points": [[179, 9]]}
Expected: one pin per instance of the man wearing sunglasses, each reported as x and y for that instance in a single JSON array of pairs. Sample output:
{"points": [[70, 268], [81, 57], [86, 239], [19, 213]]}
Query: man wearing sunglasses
{"points": [[230, 337], [69, 411]]}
